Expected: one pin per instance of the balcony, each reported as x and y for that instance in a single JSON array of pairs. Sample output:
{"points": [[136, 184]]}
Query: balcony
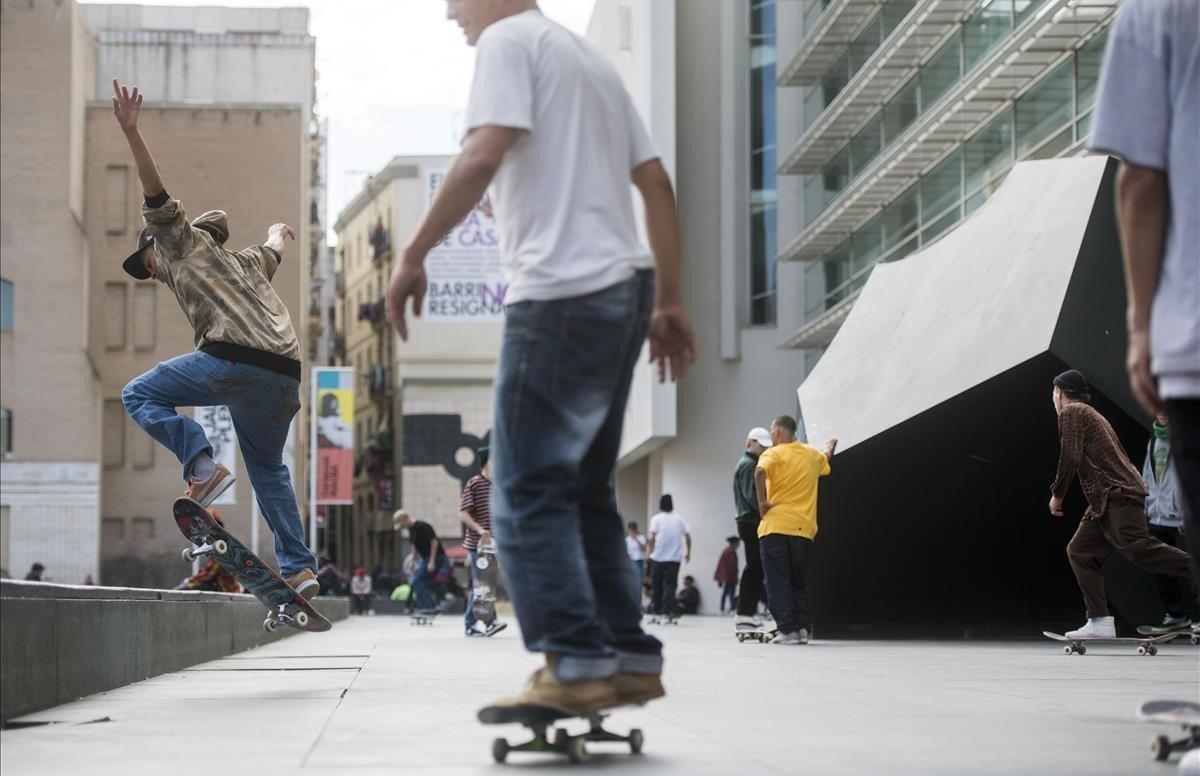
{"points": [[826, 41], [892, 63], [1040, 42]]}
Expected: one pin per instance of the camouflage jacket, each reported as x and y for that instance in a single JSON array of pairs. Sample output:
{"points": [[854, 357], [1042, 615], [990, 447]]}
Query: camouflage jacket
{"points": [[226, 295]]}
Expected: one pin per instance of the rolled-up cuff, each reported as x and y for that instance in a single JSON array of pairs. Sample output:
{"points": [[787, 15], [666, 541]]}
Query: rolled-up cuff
{"points": [[636, 663], [569, 669]]}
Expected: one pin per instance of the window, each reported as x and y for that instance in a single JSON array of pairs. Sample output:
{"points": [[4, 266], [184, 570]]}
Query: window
{"points": [[6, 305], [894, 12], [762, 162], [6, 432], [941, 72], [900, 112], [988, 154], [1045, 109], [866, 145], [113, 432], [941, 186], [112, 531], [984, 29], [143, 316], [1087, 73], [114, 315], [866, 245], [116, 199], [900, 218], [142, 528], [865, 43]]}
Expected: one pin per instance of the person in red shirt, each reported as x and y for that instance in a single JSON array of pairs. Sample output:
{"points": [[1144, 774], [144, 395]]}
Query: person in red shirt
{"points": [[727, 574]]}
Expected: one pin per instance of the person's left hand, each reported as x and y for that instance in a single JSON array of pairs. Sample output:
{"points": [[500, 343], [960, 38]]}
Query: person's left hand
{"points": [[672, 342], [409, 281], [1141, 380], [431, 566], [283, 230], [1056, 506]]}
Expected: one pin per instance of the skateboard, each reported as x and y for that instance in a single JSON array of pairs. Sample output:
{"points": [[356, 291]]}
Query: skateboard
{"points": [[757, 634], [424, 620], [1153, 630], [540, 721], [1146, 644], [487, 581], [1183, 713], [286, 606], [663, 619]]}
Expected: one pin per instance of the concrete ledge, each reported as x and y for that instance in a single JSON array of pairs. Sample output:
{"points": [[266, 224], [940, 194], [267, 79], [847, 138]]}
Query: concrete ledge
{"points": [[62, 642]]}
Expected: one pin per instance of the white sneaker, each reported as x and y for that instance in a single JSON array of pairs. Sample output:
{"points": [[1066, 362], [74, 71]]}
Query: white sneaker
{"points": [[788, 639], [747, 622], [802, 636], [1095, 628]]}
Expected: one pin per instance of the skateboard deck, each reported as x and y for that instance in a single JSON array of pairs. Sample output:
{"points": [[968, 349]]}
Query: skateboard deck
{"points": [[541, 720], [663, 619], [422, 619], [286, 606], [1153, 630], [756, 634], [1182, 713], [1146, 644], [487, 582]]}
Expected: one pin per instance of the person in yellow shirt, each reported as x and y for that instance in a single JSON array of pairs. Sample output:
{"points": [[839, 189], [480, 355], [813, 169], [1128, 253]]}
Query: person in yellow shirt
{"points": [[785, 482]]}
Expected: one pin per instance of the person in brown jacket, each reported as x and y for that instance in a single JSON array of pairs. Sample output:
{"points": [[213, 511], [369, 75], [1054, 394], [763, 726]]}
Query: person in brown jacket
{"points": [[1115, 519]]}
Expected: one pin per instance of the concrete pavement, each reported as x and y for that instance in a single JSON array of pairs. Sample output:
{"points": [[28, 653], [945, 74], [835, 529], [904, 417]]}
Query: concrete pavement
{"points": [[376, 696]]}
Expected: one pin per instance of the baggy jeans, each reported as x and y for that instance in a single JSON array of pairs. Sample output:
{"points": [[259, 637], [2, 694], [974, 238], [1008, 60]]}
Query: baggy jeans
{"points": [[664, 579], [561, 390], [1121, 528], [785, 561], [753, 585], [261, 403]]}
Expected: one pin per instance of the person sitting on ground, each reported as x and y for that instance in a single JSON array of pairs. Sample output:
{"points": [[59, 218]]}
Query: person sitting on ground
{"points": [[360, 590], [211, 576], [35, 573], [687, 600], [247, 355]]}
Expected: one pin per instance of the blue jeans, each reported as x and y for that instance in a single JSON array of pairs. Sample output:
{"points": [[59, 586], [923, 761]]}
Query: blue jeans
{"points": [[561, 389], [261, 403], [639, 576], [422, 584]]}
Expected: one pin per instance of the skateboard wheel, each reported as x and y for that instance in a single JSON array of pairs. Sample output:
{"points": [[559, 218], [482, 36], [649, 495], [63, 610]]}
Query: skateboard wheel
{"points": [[1160, 748], [187, 554], [302, 619], [576, 751], [1068, 650], [1081, 650], [220, 546], [499, 750], [1153, 650], [1143, 651], [636, 739], [269, 625], [1195, 639], [560, 737]]}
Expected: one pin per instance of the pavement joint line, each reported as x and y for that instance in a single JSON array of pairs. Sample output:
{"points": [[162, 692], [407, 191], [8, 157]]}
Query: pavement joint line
{"points": [[341, 698]]}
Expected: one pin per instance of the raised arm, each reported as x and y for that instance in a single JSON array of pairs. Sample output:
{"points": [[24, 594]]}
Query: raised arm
{"points": [[672, 342], [127, 108]]}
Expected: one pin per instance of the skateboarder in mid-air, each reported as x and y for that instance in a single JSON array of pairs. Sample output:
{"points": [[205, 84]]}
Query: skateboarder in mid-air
{"points": [[247, 356], [1115, 520]]}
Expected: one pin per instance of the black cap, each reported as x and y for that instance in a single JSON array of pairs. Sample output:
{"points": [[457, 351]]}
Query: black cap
{"points": [[1073, 381], [134, 266]]}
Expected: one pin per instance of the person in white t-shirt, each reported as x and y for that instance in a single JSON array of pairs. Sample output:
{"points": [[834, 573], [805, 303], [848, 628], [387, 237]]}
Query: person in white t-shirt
{"points": [[635, 546], [550, 127], [670, 547]]}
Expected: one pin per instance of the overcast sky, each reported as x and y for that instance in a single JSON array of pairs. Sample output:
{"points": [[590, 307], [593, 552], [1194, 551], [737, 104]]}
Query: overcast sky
{"points": [[393, 78]]}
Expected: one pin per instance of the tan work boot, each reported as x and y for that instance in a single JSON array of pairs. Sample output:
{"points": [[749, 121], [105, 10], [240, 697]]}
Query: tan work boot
{"points": [[636, 689], [305, 583], [205, 492], [574, 699]]}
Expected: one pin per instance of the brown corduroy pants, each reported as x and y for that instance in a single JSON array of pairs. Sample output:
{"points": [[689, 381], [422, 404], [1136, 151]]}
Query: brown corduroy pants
{"points": [[1122, 528]]}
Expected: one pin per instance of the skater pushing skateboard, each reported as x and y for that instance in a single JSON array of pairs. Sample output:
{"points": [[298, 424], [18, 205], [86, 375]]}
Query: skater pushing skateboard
{"points": [[551, 128], [247, 356], [1115, 520]]}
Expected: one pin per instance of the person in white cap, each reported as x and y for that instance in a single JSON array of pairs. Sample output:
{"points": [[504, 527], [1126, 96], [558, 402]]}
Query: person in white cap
{"points": [[746, 503]]}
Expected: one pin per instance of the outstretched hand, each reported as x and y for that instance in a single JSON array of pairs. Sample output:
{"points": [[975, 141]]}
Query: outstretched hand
{"points": [[409, 282], [126, 107], [672, 342]]}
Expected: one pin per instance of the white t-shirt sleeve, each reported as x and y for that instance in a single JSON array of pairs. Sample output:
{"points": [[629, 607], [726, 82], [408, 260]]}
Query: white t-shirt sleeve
{"points": [[502, 90], [1133, 82], [683, 524], [641, 147], [654, 525]]}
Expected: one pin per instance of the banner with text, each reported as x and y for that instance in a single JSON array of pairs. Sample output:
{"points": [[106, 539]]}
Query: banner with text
{"points": [[334, 425], [466, 281], [218, 427]]}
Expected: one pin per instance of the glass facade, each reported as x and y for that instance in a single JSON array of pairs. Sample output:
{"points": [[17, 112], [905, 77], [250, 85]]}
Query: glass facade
{"points": [[762, 162], [6, 305]]}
